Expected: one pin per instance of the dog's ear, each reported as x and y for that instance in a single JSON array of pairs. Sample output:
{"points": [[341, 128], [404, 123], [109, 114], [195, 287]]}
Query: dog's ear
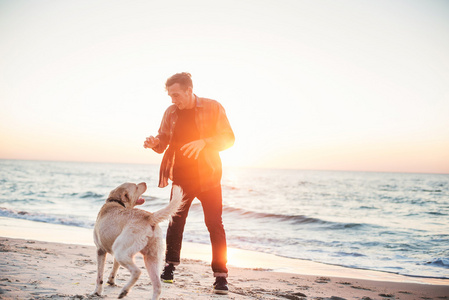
{"points": [[125, 197]]}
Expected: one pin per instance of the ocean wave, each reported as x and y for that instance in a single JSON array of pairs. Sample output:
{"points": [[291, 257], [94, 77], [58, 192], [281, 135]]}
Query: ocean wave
{"points": [[349, 254], [45, 218], [436, 213], [91, 195], [439, 262], [85, 195], [295, 219]]}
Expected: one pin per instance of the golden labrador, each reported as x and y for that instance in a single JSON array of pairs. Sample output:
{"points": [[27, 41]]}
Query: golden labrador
{"points": [[123, 231]]}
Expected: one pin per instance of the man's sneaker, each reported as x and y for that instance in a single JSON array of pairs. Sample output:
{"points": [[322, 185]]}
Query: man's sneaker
{"points": [[168, 273], [221, 286]]}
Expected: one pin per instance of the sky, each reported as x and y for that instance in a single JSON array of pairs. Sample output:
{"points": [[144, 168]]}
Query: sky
{"points": [[320, 85]]}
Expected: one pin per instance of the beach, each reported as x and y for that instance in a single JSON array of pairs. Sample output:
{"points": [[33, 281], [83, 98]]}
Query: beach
{"points": [[47, 261]]}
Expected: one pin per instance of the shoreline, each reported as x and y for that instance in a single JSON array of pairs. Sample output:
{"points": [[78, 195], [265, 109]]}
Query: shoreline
{"points": [[46, 232]]}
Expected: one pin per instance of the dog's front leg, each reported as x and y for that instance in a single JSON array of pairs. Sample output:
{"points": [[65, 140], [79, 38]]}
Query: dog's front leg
{"points": [[101, 259], [111, 279]]}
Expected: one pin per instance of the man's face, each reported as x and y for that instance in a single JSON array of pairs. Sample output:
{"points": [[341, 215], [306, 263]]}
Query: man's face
{"points": [[183, 99]]}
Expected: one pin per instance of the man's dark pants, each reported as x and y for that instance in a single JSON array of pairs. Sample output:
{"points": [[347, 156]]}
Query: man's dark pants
{"points": [[211, 202]]}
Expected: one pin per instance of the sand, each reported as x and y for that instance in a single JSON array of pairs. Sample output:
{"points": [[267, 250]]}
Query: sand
{"points": [[43, 270], [53, 262]]}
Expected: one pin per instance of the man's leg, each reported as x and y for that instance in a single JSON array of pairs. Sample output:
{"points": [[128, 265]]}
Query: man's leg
{"points": [[175, 233], [212, 206]]}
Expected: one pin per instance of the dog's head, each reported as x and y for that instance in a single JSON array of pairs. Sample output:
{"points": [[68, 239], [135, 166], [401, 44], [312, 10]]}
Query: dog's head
{"points": [[128, 194]]}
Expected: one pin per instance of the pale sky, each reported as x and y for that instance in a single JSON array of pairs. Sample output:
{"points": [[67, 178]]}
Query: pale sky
{"points": [[326, 85]]}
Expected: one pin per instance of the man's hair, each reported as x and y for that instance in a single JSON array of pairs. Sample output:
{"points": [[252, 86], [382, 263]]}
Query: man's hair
{"points": [[184, 79]]}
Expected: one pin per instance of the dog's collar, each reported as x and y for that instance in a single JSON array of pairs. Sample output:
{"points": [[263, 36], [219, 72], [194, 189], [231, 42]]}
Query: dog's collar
{"points": [[116, 200]]}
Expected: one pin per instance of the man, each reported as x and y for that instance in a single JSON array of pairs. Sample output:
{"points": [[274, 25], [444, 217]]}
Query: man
{"points": [[195, 130]]}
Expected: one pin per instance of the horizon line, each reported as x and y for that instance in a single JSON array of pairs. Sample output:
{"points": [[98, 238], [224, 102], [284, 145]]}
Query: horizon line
{"points": [[230, 166]]}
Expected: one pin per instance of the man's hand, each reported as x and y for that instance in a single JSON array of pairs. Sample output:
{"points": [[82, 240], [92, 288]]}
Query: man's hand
{"points": [[151, 142], [193, 149]]}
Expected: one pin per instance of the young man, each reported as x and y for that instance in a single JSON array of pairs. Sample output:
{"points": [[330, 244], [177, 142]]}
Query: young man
{"points": [[192, 133]]}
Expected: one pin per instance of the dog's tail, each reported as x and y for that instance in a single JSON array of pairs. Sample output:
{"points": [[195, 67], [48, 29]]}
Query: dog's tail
{"points": [[172, 208]]}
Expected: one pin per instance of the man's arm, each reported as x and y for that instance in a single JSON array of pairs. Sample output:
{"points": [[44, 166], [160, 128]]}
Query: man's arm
{"points": [[160, 142]]}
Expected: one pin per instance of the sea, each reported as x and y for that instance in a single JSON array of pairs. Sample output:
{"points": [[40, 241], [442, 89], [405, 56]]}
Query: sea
{"points": [[390, 222]]}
